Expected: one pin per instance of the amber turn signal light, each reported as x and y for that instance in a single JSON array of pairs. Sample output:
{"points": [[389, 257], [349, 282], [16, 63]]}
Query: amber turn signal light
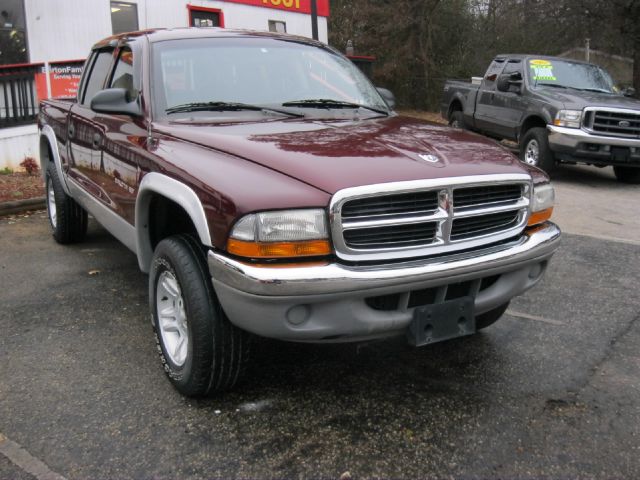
{"points": [[537, 218], [308, 248]]}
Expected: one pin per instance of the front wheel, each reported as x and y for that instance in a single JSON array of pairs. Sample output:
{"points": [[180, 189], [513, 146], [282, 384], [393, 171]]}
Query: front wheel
{"points": [[627, 174], [201, 351], [456, 120], [534, 149]]}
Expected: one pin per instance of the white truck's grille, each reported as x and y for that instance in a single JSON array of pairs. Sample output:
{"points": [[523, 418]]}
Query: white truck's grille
{"points": [[428, 217]]}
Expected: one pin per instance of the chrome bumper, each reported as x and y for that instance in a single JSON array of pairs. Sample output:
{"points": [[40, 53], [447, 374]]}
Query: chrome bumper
{"points": [[571, 138], [329, 303], [338, 278]]}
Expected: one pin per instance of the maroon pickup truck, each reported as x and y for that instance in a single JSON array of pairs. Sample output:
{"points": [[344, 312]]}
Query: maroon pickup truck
{"points": [[268, 188]]}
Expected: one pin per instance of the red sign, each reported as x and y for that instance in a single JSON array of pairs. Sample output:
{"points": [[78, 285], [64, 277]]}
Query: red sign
{"points": [[63, 77], [300, 6]]}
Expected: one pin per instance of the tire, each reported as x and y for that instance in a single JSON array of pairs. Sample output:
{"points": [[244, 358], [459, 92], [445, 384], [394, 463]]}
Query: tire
{"points": [[492, 316], [627, 174], [456, 120], [534, 149], [68, 220], [216, 351]]}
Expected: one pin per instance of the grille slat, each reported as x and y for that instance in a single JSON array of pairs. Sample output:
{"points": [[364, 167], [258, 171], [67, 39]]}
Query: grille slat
{"points": [[482, 225], [478, 196], [423, 203], [395, 235]]}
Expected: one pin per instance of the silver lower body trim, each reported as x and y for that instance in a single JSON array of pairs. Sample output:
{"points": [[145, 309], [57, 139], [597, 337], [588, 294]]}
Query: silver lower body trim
{"points": [[327, 303], [114, 223], [560, 137]]}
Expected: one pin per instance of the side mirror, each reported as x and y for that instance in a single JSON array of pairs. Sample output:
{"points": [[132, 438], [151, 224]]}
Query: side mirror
{"points": [[115, 100], [388, 97], [628, 92]]}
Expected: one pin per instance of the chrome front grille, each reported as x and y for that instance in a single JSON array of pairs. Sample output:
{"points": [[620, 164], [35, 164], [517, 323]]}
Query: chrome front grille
{"points": [[617, 122], [428, 217]]}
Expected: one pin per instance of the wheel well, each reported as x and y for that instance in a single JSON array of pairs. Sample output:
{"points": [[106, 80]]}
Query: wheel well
{"points": [[530, 123], [167, 218], [45, 151], [456, 106]]}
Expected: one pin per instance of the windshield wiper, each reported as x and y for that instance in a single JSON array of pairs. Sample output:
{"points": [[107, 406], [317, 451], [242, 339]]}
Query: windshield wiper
{"points": [[556, 85], [598, 90], [226, 107], [329, 103]]}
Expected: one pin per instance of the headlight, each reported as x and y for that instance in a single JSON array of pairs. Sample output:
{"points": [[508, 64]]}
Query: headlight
{"points": [[568, 118], [542, 202], [281, 234]]}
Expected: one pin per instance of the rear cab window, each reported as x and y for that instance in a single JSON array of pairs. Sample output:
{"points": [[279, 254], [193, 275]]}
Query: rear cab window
{"points": [[493, 71]]}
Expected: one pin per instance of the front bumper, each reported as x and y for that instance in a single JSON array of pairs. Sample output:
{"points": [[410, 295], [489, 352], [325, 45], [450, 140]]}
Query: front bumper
{"points": [[577, 145], [337, 302]]}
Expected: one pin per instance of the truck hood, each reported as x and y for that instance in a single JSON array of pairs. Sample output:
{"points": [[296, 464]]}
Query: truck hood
{"points": [[576, 100], [332, 155]]}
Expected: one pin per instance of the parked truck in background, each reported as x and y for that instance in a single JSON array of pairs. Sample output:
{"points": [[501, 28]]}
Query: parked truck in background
{"points": [[268, 188], [558, 111]]}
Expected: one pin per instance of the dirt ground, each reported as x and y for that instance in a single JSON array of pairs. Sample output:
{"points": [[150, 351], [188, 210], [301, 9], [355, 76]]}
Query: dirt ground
{"points": [[20, 186]]}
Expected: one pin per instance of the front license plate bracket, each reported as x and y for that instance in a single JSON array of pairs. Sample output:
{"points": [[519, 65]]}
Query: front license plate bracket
{"points": [[442, 321]]}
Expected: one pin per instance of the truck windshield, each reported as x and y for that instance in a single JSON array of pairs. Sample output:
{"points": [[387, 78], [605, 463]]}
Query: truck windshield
{"points": [[566, 74], [264, 72]]}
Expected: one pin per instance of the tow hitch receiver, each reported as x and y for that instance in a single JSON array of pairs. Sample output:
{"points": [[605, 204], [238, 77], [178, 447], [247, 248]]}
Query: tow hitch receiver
{"points": [[442, 321]]}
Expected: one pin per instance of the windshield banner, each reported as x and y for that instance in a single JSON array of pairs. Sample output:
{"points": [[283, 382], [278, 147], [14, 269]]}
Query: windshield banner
{"points": [[542, 70]]}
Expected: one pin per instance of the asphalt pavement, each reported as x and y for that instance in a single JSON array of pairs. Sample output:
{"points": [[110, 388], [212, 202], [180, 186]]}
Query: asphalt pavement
{"points": [[551, 390]]}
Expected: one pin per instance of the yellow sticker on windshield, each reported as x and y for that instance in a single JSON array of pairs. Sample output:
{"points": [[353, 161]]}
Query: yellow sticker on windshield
{"points": [[540, 62]]}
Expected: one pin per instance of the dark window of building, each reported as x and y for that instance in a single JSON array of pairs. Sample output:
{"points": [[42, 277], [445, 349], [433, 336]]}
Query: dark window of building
{"points": [[13, 36], [205, 17], [124, 17], [98, 75], [123, 74], [277, 26]]}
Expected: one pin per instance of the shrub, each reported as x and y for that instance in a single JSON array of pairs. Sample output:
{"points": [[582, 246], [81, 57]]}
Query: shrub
{"points": [[6, 171], [30, 165]]}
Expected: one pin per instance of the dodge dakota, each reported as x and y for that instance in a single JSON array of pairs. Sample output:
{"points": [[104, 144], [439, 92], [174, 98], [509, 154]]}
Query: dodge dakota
{"points": [[558, 110], [267, 188]]}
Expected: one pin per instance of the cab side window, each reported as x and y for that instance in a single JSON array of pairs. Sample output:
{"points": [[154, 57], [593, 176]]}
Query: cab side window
{"points": [[123, 74], [97, 75]]}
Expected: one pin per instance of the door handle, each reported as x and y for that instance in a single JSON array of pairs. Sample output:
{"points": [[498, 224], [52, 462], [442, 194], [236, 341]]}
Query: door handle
{"points": [[71, 130], [97, 141]]}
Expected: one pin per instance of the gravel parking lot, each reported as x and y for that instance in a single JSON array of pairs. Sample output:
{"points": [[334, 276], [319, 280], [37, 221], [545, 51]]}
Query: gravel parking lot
{"points": [[549, 391]]}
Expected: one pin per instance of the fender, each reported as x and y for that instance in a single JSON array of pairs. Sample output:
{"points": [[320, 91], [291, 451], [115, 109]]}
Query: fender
{"points": [[50, 135], [183, 195]]}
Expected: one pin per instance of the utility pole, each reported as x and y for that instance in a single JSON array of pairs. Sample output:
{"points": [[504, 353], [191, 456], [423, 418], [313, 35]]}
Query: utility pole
{"points": [[314, 19], [587, 49]]}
